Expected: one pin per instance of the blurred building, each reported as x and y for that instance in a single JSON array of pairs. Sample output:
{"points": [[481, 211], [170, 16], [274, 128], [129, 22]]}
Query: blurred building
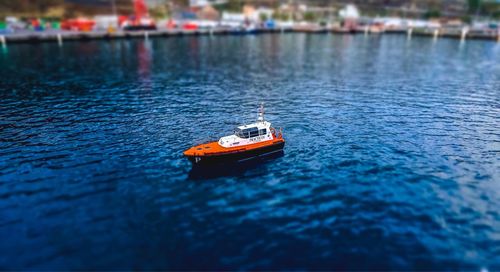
{"points": [[203, 3], [288, 8], [349, 12], [256, 14], [208, 12], [399, 7]]}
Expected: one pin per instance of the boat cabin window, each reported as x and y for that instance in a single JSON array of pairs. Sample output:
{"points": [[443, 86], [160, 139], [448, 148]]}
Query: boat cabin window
{"points": [[247, 133], [262, 131], [254, 132]]}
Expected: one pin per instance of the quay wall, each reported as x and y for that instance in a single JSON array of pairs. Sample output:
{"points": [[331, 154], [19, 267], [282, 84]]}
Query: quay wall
{"points": [[63, 36]]}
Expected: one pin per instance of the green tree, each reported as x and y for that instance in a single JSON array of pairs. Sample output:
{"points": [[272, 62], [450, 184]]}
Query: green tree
{"points": [[491, 9], [263, 17], [433, 13], [474, 5], [159, 12], [282, 16], [309, 16], [466, 19], [233, 5]]}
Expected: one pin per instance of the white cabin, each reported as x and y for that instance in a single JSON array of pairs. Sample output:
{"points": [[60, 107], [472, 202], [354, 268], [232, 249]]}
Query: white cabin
{"points": [[259, 131]]}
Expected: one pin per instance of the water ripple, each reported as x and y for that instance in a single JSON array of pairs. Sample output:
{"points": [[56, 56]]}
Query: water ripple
{"points": [[391, 162]]}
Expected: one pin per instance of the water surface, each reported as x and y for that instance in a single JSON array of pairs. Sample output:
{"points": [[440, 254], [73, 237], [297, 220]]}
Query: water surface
{"points": [[392, 158]]}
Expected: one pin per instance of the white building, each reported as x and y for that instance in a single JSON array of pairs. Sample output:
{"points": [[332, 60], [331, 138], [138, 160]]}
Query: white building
{"points": [[203, 3], [349, 12]]}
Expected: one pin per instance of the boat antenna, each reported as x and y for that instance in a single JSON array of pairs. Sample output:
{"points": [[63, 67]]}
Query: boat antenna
{"points": [[261, 112]]}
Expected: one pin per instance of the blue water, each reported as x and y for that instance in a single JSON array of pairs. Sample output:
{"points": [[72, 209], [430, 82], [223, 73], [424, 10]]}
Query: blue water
{"points": [[392, 156]]}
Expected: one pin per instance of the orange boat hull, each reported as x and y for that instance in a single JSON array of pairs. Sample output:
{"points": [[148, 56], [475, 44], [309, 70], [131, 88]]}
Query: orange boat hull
{"points": [[214, 153]]}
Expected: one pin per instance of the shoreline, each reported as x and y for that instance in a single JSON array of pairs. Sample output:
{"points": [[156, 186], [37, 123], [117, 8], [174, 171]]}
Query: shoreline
{"points": [[62, 36]]}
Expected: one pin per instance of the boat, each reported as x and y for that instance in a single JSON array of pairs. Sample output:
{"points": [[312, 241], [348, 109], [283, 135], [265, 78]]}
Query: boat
{"points": [[248, 141]]}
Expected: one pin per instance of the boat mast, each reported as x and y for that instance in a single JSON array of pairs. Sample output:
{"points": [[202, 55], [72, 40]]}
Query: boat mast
{"points": [[261, 112]]}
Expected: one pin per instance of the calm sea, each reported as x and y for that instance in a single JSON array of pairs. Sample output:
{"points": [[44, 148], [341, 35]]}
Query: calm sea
{"points": [[392, 156]]}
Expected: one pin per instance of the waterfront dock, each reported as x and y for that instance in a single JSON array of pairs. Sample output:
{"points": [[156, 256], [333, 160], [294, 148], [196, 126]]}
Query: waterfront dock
{"points": [[61, 36]]}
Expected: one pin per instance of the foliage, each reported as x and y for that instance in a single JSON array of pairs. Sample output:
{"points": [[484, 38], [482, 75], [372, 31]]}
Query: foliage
{"points": [[491, 9], [466, 19], [263, 17], [159, 12], [310, 16], [54, 12], [28, 7], [232, 6], [432, 13], [282, 16], [182, 3], [474, 5]]}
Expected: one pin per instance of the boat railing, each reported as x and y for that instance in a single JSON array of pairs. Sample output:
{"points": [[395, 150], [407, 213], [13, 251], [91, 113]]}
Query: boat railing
{"points": [[277, 132]]}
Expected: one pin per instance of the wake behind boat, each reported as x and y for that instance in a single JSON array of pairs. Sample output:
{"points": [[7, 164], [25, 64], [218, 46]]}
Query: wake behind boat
{"points": [[248, 141]]}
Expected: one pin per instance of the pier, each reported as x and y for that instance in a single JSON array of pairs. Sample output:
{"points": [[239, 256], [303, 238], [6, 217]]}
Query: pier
{"points": [[60, 36]]}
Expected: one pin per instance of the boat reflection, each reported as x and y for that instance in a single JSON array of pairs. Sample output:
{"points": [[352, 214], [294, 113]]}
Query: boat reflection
{"points": [[237, 168]]}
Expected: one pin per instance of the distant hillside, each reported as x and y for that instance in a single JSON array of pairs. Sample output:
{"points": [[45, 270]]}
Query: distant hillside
{"points": [[62, 8], [412, 8]]}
